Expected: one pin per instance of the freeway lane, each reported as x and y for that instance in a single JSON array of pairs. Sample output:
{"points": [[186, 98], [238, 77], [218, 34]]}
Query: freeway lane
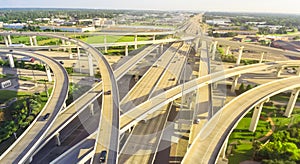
{"points": [[135, 115], [140, 92], [207, 145], [68, 114], [28, 141], [143, 142]]}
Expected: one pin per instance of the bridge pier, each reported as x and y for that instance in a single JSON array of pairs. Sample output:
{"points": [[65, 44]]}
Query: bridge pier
{"points": [[48, 72], [105, 46], [90, 61], [214, 50], [298, 71], [6, 41], [292, 102], [9, 40], [30, 40], [58, 143], [227, 50], [135, 42], [34, 40], [11, 60], [91, 107], [126, 50], [224, 147], [238, 61], [153, 38], [279, 70], [196, 44], [234, 83], [255, 116], [210, 47], [78, 57], [63, 42], [261, 57], [161, 48]]}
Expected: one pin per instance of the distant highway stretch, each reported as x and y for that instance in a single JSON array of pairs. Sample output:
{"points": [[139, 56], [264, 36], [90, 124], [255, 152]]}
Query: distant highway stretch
{"points": [[29, 140], [206, 147]]}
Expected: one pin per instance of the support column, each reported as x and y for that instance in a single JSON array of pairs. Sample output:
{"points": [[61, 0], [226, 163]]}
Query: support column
{"points": [[292, 102], [256, 115], [298, 71], [6, 41], [9, 39], [279, 70], [227, 50], [30, 40], [196, 44], [238, 61], [79, 62], [135, 42], [105, 46], [161, 48], [126, 50], [261, 57], [91, 68], [48, 72], [223, 150], [234, 83], [58, 143], [153, 38], [91, 107], [11, 60], [35, 41], [210, 47], [63, 42], [215, 85], [214, 50]]}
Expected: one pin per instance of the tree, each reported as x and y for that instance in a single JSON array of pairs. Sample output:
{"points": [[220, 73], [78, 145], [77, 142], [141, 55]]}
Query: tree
{"points": [[242, 88]]}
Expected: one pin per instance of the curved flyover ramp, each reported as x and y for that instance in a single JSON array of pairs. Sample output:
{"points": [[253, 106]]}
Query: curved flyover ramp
{"points": [[27, 142], [138, 113], [208, 143], [110, 103]]}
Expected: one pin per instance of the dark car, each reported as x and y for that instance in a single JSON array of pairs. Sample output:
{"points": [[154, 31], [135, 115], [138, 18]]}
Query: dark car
{"points": [[172, 79], [46, 116], [61, 62], [107, 93], [102, 158]]}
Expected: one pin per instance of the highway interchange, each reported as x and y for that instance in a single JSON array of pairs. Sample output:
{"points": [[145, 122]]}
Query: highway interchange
{"points": [[150, 100]]}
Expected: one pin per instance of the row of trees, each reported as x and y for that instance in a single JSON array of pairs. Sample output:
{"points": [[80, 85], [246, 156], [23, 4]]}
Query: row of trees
{"points": [[283, 147], [22, 112], [22, 64]]}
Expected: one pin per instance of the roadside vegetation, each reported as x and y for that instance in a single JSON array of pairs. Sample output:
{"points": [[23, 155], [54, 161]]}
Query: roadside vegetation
{"points": [[276, 139], [16, 117]]}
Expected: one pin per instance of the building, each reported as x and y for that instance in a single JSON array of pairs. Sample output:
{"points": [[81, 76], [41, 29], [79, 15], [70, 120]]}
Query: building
{"points": [[14, 25], [223, 22], [68, 28], [1, 24]]}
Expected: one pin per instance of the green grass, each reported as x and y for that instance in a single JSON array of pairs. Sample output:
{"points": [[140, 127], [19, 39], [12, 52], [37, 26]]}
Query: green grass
{"points": [[25, 78], [241, 153], [2, 76], [6, 95], [112, 39], [241, 139]]}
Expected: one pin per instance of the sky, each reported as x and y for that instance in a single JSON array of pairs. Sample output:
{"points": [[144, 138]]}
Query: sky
{"points": [[270, 6]]}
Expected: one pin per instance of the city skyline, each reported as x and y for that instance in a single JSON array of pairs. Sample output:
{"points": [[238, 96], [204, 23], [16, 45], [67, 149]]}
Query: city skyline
{"points": [[291, 6]]}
